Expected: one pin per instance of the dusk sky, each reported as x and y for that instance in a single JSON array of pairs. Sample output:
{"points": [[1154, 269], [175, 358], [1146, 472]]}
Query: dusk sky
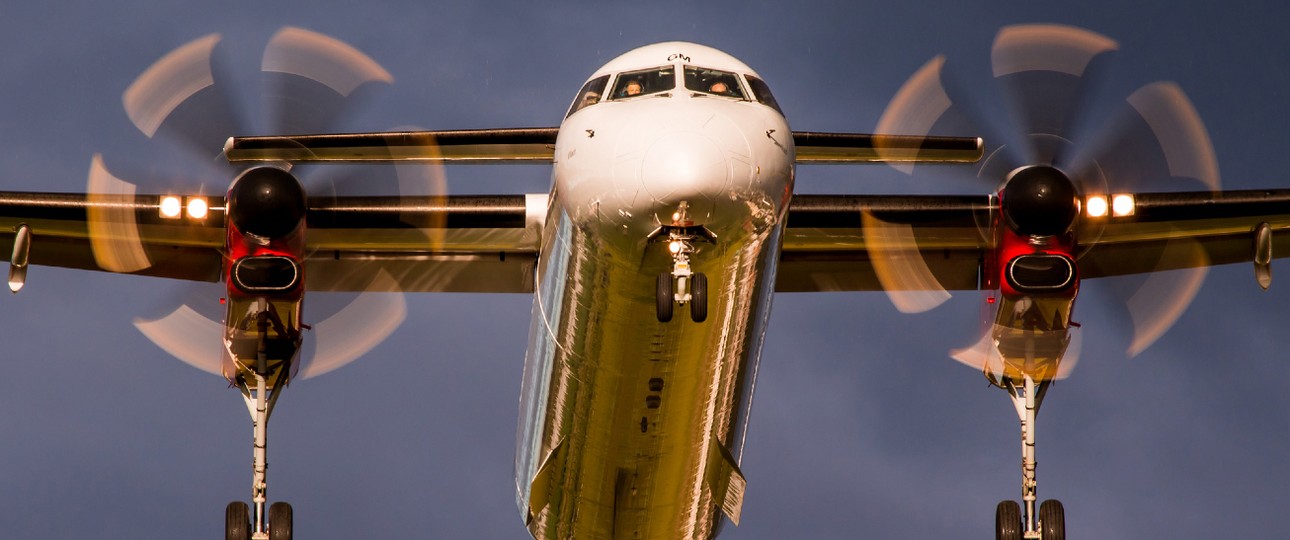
{"points": [[862, 426]]}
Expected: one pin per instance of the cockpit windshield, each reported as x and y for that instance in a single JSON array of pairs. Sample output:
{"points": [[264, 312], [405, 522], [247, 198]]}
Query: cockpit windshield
{"points": [[645, 82], [661, 80], [714, 82], [590, 94]]}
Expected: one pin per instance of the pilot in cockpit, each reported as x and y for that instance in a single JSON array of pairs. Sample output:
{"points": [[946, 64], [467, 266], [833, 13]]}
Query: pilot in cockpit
{"points": [[632, 88]]}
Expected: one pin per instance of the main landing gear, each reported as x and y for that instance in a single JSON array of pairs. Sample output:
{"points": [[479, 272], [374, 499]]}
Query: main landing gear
{"points": [[267, 380], [682, 285], [1010, 522]]}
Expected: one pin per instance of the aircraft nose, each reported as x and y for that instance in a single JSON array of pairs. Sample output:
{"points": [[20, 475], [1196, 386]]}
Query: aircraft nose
{"points": [[684, 166]]}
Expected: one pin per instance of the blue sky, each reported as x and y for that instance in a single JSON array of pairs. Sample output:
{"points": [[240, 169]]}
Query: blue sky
{"points": [[862, 426]]}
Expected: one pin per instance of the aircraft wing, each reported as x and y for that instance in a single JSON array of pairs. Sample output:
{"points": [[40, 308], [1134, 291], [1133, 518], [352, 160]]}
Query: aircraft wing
{"points": [[830, 239], [111, 233], [471, 244], [451, 244], [490, 243], [537, 145]]}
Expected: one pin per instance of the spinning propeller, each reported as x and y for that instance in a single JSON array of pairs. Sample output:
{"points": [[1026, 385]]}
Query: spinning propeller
{"points": [[189, 98], [1054, 184]]}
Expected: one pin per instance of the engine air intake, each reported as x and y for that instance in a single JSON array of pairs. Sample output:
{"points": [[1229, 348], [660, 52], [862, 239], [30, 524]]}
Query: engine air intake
{"points": [[265, 274], [1041, 273]]}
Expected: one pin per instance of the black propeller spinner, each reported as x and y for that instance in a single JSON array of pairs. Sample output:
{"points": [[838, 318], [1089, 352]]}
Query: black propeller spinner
{"points": [[1039, 200], [267, 202]]}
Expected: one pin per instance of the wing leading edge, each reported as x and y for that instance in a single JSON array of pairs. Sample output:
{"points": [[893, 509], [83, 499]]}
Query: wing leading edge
{"points": [[490, 243], [442, 244], [829, 238], [537, 145]]}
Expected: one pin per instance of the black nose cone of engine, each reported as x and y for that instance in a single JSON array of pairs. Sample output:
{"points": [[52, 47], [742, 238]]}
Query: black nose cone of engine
{"points": [[267, 202], [1040, 201]]}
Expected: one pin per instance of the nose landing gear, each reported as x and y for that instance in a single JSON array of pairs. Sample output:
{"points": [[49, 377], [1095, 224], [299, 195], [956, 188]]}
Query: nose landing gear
{"points": [[1010, 522], [261, 380], [682, 285]]}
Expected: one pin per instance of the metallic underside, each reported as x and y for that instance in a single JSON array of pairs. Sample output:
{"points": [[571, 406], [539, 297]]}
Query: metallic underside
{"points": [[632, 428]]}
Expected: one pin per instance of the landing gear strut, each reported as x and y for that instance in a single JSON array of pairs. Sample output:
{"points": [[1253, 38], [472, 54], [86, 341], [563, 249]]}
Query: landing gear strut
{"points": [[682, 285], [1013, 521], [267, 380]]}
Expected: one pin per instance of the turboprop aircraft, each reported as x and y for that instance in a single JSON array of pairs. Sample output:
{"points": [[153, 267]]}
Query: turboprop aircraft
{"points": [[672, 187]]}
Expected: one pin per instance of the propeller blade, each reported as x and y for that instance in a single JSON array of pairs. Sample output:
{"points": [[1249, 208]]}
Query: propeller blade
{"points": [[188, 336], [1155, 142], [1043, 70], [113, 232], [358, 327], [900, 267], [168, 82], [924, 106], [309, 78], [179, 96], [306, 81], [1176, 125], [984, 355], [1047, 75], [1163, 297]]}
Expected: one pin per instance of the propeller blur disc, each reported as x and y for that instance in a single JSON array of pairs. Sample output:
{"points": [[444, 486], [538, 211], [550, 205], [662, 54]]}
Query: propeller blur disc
{"points": [[1047, 75], [307, 80]]}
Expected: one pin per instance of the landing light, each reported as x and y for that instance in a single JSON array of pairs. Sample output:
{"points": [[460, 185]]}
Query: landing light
{"points": [[1122, 205], [674, 247], [170, 207], [1096, 206], [197, 208]]}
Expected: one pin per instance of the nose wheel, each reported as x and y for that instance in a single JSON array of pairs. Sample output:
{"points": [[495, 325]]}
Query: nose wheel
{"points": [[237, 522], [682, 285], [696, 297]]}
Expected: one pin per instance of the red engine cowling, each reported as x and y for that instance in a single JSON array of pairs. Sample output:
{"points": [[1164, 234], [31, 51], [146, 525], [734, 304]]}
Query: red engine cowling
{"points": [[264, 274]]}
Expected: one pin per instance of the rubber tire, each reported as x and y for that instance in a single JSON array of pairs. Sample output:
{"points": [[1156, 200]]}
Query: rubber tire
{"points": [[666, 298], [237, 521], [1052, 520], [280, 521], [1007, 521], [699, 297]]}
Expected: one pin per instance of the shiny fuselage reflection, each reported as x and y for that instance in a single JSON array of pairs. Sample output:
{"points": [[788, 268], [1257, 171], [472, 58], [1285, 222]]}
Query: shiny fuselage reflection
{"points": [[631, 427]]}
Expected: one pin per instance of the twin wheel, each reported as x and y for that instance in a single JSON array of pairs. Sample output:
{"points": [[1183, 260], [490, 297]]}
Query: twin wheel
{"points": [[683, 289], [682, 285], [237, 522], [1008, 523]]}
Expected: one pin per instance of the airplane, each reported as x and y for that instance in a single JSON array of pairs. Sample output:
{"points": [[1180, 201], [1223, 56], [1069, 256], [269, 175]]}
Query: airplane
{"points": [[672, 186]]}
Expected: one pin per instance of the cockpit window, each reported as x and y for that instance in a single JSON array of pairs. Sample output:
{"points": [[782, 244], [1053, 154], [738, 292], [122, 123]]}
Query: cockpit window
{"points": [[590, 94], [644, 82], [711, 81], [761, 93]]}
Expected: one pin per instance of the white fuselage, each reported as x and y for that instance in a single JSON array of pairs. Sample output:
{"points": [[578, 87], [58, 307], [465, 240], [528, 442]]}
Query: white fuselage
{"points": [[631, 427]]}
